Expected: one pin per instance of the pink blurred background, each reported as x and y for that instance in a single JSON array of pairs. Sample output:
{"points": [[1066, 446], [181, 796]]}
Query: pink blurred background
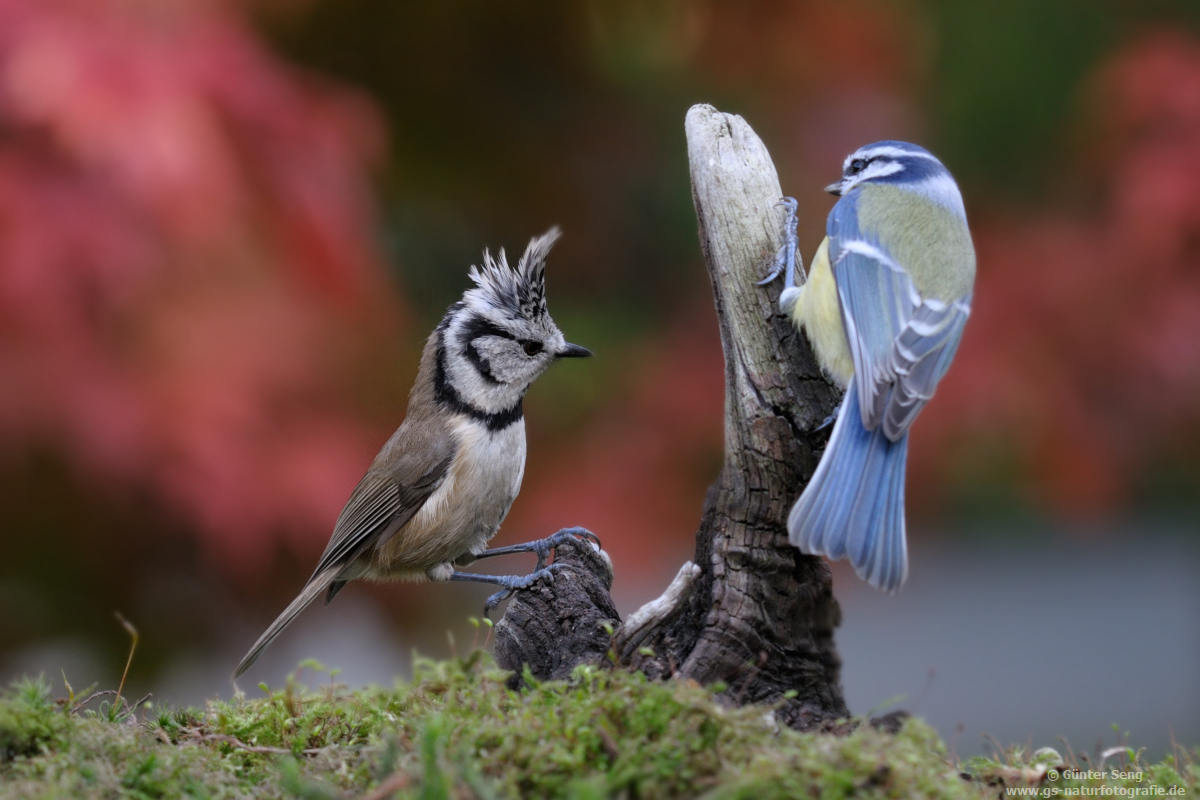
{"points": [[226, 229]]}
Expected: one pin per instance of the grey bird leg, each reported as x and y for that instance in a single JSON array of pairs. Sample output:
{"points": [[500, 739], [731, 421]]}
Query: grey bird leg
{"points": [[511, 583], [832, 418], [785, 259], [543, 547]]}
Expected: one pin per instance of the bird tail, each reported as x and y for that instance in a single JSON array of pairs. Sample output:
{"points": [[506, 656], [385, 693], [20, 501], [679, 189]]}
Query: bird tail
{"points": [[854, 505], [314, 588]]}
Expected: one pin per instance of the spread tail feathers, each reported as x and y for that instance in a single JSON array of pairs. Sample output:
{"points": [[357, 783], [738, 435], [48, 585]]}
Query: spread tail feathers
{"points": [[312, 591], [854, 505]]}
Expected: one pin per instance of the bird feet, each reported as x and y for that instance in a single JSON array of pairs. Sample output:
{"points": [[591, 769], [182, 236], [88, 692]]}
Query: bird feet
{"points": [[543, 547], [512, 583], [832, 418], [518, 582], [786, 260]]}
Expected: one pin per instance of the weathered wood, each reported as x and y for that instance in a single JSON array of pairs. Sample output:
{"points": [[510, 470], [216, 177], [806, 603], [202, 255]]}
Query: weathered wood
{"points": [[760, 616], [560, 621], [751, 611]]}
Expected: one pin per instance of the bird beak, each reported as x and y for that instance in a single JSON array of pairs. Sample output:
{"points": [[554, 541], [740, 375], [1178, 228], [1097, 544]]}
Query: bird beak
{"points": [[573, 351], [835, 188]]}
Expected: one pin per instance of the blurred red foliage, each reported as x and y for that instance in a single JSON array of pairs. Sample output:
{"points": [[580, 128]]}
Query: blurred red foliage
{"points": [[1081, 361], [184, 227], [186, 255]]}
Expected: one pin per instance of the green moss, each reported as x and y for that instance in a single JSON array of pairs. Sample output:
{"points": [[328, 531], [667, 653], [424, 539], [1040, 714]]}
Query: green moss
{"points": [[456, 731], [30, 721]]}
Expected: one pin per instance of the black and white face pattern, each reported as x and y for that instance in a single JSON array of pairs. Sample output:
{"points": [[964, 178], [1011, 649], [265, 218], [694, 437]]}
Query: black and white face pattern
{"points": [[499, 338], [903, 165]]}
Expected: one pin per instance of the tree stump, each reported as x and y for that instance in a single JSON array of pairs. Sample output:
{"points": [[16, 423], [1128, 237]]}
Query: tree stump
{"points": [[562, 622], [751, 611]]}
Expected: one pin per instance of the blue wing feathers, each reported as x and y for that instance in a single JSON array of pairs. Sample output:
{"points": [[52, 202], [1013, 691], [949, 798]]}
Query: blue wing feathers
{"points": [[877, 301], [920, 358]]}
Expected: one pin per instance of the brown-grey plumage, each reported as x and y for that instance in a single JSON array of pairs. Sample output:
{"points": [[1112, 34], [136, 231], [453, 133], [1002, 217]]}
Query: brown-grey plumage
{"points": [[444, 481]]}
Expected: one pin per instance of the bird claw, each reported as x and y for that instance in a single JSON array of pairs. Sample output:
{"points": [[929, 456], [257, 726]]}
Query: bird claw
{"points": [[494, 600], [540, 547], [548, 545], [776, 268], [786, 260], [518, 582], [832, 418], [543, 547]]}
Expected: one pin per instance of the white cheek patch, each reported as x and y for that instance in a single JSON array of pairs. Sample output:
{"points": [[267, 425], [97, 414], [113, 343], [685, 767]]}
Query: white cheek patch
{"points": [[509, 366], [881, 169], [498, 353], [473, 387]]}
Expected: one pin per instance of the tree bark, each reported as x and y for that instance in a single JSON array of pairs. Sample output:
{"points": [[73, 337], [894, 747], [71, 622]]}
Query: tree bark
{"points": [[560, 622], [751, 611]]}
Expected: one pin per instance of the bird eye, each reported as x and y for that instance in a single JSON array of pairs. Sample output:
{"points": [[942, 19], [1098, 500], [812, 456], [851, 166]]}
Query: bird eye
{"points": [[532, 348], [857, 166]]}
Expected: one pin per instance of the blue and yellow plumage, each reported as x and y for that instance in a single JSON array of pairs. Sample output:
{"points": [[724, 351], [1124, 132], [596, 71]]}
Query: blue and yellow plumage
{"points": [[884, 307]]}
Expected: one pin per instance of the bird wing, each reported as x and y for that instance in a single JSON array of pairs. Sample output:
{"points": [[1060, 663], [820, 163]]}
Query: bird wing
{"points": [[386, 498], [921, 355], [901, 343]]}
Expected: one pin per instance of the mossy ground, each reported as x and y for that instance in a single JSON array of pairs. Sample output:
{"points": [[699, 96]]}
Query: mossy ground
{"points": [[455, 731]]}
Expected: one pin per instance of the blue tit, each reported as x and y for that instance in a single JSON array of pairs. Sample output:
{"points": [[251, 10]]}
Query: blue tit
{"points": [[884, 308]]}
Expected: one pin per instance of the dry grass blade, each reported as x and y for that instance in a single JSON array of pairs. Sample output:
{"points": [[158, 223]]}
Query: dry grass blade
{"points": [[133, 635], [249, 748]]}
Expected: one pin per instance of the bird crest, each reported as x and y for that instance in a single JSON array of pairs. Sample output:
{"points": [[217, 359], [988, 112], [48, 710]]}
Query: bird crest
{"points": [[521, 292]]}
